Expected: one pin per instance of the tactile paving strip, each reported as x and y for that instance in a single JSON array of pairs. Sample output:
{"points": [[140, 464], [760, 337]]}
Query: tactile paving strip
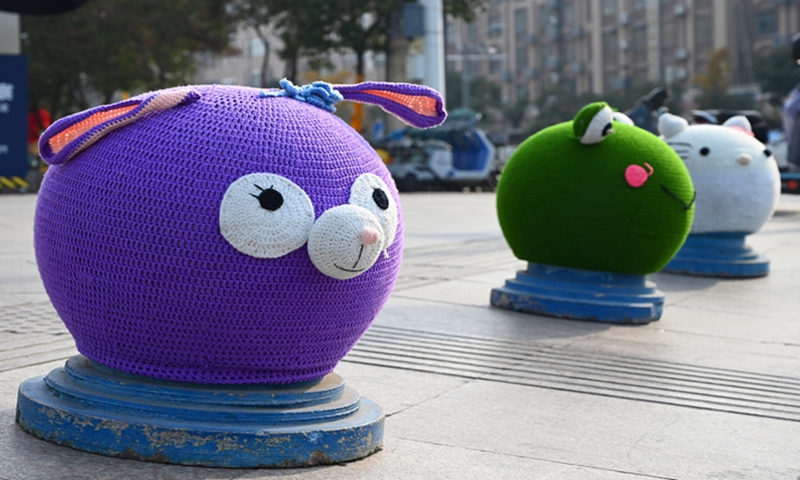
{"points": [[568, 369], [33, 334]]}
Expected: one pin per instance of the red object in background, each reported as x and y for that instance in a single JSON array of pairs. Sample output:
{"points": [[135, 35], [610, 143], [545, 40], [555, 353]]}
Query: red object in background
{"points": [[792, 185], [38, 121]]}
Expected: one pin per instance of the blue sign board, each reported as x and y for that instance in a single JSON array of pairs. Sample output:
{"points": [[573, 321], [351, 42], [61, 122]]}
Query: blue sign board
{"points": [[13, 116]]}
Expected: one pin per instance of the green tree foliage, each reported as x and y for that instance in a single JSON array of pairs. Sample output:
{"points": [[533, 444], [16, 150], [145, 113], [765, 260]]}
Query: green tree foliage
{"points": [[777, 73], [304, 28], [112, 45], [716, 82], [464, 9], [365, 25]]}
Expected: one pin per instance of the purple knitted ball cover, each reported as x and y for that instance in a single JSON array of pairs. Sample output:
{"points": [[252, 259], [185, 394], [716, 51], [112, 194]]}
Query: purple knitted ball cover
{"points": [[129, 244]]}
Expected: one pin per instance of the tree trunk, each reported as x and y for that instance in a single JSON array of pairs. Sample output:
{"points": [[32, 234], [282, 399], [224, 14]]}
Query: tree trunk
{"points": [[360, 64], [291, 67], [265, 59]]}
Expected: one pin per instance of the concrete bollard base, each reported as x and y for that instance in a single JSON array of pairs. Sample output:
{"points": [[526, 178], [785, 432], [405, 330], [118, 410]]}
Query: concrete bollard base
{"points": [[721, 254], [581, 294], [100, 410]]}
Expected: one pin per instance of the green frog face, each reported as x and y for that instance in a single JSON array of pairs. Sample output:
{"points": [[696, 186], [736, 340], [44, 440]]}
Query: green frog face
{"points": [[596, 193]]}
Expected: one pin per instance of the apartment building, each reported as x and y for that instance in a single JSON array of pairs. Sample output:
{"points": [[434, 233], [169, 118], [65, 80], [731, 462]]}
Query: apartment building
{"points": [[606, 45]]}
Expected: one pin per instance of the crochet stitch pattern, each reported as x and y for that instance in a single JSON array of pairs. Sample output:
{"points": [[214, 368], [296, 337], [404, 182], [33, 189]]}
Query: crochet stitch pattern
{"points": [[622, 203], [156, 248], [736, 176]]}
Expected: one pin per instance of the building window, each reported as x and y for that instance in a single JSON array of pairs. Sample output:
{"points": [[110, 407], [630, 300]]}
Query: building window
{"points": [[495, 65], [639, 4], [472, 32], [640, 45], [544, 17], [545, 54], [568, 14], [569, 52], [610, 46], [668, 34], [521, 58], [767, 22], [703, 30], [520, 22], [640, 40], [609, 7], [495, 25]]}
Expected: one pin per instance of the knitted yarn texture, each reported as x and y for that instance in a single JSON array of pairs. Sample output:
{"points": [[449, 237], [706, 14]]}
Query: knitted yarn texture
{"points": [[621, 205], [736, 176], [231, 239]]}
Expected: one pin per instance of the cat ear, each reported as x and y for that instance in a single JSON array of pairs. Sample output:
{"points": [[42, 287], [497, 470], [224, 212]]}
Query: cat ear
{"points": [[741, 123], [71, 135], [670, 125], [416, 105]]}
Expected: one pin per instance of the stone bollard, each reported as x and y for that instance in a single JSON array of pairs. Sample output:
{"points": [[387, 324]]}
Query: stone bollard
{"points": [[738, 187], [593, 205], [215, 251]]}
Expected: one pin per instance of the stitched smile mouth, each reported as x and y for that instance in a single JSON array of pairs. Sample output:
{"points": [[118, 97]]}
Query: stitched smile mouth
{"points": [[686, 206], [347, 270]]}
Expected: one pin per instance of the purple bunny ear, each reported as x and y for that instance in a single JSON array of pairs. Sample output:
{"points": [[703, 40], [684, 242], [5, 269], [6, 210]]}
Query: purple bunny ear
{"points": [[70, 135], [417, 105]]}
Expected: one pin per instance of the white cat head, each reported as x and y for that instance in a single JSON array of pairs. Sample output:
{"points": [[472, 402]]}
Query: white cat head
{"points": [[715, 147], [735, 175]]}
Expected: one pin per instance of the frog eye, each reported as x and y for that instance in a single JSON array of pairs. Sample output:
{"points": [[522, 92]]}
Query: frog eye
{"points": [[265, 215], [594, 123], [622, 118], [372, 193]]}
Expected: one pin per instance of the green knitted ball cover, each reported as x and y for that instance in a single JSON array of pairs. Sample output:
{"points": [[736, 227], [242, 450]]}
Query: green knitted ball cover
{"points": [[563, 203]]}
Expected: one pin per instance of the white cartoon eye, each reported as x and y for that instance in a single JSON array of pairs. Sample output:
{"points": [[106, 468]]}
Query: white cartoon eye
{"points": [[599, 128], [265, 215], [372, 193], [622, 118]]}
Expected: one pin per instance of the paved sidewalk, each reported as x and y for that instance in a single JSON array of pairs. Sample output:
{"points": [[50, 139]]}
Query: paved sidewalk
{"points": [[711, 391]]}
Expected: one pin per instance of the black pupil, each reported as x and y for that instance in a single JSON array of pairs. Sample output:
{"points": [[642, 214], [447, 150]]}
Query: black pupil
{"points": [[768, 152], [704, 151], [269, 199], [606, 129], [381, 200]]}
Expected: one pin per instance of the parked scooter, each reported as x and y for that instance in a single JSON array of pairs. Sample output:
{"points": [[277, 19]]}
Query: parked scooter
{"points": [[455, 155]]}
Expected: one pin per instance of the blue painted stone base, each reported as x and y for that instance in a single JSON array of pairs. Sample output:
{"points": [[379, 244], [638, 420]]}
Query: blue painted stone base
{"points": [[718, 255], [96, 409], [581, 294]]}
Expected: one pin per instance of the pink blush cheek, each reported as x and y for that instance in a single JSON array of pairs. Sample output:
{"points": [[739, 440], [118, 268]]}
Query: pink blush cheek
{"points": [[636, 176]]}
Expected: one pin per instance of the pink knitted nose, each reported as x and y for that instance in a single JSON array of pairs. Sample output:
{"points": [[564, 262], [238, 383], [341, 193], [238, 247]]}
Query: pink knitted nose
{"points": [[636, 176], [369, 236]]}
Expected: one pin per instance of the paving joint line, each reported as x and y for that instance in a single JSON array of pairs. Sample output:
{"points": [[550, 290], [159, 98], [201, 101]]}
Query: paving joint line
{"points": [[540, 459]]}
